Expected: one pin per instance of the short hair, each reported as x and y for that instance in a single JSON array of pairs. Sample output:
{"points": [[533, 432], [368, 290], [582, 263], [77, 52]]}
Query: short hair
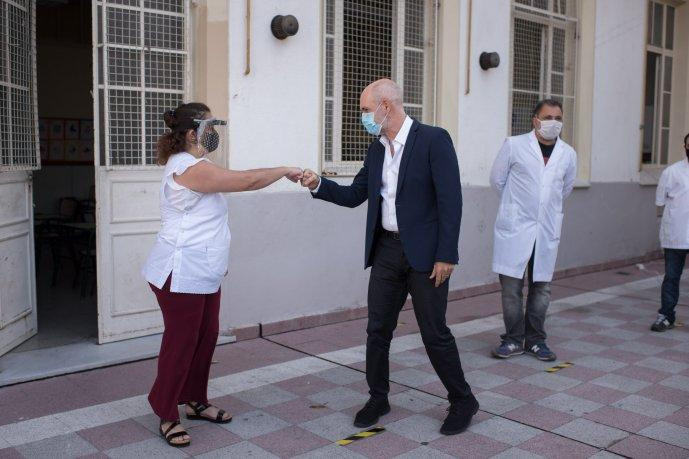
{"points": [[549, 102], [685, 139], [388, 89]]}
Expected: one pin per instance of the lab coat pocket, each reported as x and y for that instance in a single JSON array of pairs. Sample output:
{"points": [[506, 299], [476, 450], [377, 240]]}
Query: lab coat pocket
{"points": [[218, 260], [507, 215], [557, 226]]}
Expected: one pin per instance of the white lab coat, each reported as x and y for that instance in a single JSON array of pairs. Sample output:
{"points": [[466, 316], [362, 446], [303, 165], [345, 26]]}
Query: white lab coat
{"points": [[673, 193], [531, 196]]}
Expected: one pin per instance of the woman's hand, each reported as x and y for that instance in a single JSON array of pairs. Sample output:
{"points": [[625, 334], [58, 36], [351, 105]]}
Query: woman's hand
{"points": [[294, 174]]}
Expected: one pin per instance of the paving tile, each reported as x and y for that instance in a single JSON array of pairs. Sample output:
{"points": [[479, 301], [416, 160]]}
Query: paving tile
{"points": [[621, 419], [263, 396], [469, 445], [583, 347], [551, 381], [153, 447], [289, 441], [424, 452], [677, 382], [522, 391], [505, 430], [665, 394], [253, 424], [642, 373], [605, 455], [339, 398], [645, 406], [484, 380], [116, 434], [305, 385], [10, 453], [386, 444], [517, 453], [298, 410], [539, 416], [580, 373], [668, 366], [495, 403], [532, 362], [621, 383], [591, 433], [243, 449], [621, 334], [566, 332], [597, 393], [603, 321], [413, 377], [680, 417], [510, 370], [341, 375], [415, 401], [474, 361], [410, 358], [33, 430], [470, 344], [418, 428], [599, 363], [209, 437], [554, 446], [331, 451], [569, 404], [70, 445], [333, 427], [636, 446], [640, 348]]}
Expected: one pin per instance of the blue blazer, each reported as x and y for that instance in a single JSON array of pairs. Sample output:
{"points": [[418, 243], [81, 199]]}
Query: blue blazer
{"points": [[428, 202]]}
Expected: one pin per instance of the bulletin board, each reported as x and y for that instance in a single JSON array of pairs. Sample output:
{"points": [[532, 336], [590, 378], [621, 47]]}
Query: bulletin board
{"points": [[66, 141]]}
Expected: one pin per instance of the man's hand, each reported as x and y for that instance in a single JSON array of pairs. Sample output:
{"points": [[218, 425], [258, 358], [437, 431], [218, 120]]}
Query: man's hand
{"points": [[441, 272], [310, 180], [294, 174]]}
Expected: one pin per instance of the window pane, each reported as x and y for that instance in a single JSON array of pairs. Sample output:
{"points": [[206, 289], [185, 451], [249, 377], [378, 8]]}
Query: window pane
{"points": [[664, 138], [528, 41], [557, 84], [330, 17], [666, 109], [522, 106], [328, 131], [413, 23], [558, 64], [670, 27], [367, 57], [156, 104], [667, 76], [649, 107], [329, 66], [413, 77], [657, 39], [649, 25]]}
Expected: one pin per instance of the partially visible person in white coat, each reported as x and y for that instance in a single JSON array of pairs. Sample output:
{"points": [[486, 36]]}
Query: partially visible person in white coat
{"points": [[533, 173], [673, 194]]}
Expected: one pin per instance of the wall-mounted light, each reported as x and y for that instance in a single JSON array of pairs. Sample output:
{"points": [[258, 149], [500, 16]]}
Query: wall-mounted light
{"points": [[489, 60], [284, 26]]}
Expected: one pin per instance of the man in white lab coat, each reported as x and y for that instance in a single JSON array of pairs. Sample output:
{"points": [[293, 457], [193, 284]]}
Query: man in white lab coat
{"points": [[673, 194], [533, 173]]}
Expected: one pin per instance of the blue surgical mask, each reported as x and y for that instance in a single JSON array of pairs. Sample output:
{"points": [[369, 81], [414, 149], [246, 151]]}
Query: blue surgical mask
{"points": [[369, 122]]}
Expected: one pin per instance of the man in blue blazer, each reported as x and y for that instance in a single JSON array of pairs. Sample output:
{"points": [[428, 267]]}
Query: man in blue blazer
{"points": [[410, 178]]}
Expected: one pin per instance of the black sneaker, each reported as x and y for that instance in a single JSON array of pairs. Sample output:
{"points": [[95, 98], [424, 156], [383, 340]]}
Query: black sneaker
{"points": [[371, 412], [459, 417], [662, 324], [541, 352]]}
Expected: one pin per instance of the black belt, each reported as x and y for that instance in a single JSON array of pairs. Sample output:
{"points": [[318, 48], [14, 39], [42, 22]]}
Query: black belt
{"points": [[390, 234]]}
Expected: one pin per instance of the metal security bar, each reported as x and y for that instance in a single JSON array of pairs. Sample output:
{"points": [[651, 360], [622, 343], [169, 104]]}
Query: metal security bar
{"points": [[19, 149], [544, 43], [365, 41], [659, 59], [143, 70]]}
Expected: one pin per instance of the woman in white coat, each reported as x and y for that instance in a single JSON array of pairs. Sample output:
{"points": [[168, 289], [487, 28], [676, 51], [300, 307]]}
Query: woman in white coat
{"points": [[533, 173]]}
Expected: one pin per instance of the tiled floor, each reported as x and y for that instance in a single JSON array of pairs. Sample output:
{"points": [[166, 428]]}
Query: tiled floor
{"points": [[626, 394]]}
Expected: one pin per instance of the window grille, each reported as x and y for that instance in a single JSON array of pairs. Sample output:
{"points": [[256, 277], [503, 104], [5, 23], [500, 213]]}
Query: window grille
{"points": [[543, 64], [143, 71], [658, 91], [18, 115], [366, 40]]}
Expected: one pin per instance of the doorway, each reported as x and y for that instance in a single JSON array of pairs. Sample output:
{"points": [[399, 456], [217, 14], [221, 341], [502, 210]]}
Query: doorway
{"points": [[64, 187]]}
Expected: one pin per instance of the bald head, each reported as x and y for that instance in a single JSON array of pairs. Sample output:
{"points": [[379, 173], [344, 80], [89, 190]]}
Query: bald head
{"points": [[379, 92]]}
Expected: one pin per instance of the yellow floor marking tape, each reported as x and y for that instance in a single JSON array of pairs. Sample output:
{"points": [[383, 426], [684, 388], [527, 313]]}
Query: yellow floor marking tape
{"points": [[559, 367], [360, 435]]}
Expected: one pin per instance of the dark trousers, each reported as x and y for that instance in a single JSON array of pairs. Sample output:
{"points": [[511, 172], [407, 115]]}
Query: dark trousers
{"points": [[524, 328], [669, 294], [191, 332], [391, 280]]}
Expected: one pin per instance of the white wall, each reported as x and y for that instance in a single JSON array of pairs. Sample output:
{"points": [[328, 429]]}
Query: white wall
{"points": [[275, 110], [618, 90], [483, 113]]}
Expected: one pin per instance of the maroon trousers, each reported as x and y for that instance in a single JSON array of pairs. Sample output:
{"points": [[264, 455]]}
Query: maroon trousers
{"points": [[191, 332]]}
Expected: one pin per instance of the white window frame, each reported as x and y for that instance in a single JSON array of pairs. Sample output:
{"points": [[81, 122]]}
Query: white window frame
{"points": [[337, 167], [548, 18], [102, 145], [34, 160], [660, 92]]}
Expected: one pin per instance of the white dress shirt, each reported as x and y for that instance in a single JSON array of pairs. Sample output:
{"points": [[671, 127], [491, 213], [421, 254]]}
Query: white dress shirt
{"points": [[194, 241], [391, 170], [673, 193]]}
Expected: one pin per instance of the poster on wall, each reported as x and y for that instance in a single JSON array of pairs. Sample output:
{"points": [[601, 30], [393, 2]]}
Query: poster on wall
{"points": [[72, 129], [44, 150], [56, 151], [57, 129], [86, 130], [86, 150], [66, 141], [72, 148], [42, 129]]}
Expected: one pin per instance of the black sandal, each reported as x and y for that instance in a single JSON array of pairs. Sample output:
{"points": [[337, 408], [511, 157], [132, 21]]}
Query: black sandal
{"points": [[172, 436], [200, 408]]}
